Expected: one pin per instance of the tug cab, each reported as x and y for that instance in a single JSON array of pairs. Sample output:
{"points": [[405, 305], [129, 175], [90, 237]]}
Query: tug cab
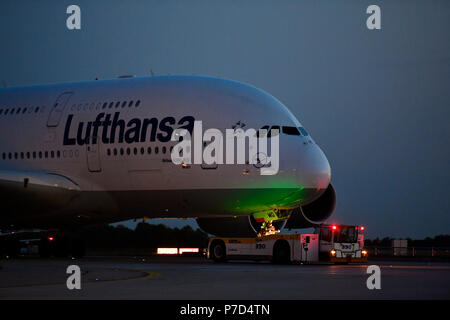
{"points": [[341, 243]]}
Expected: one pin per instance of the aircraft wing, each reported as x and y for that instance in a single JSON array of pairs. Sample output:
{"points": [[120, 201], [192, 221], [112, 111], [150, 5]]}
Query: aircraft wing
{"points": [[34, 192]]}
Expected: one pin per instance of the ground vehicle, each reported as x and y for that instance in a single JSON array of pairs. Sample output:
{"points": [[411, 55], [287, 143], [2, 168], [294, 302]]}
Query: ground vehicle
{"points": [[333, 243], [341, 243]]}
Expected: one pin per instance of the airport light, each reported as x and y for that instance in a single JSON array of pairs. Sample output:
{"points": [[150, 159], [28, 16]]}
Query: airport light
{"points": [[362, 228], [51, 238], [334, 227], [190, 250], [167, 251], [177, 250], [333, 253], [364, 253]]}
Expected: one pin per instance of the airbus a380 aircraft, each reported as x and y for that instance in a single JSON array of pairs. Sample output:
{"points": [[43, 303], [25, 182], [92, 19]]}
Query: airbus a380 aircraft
{"points": [[73, 154]]}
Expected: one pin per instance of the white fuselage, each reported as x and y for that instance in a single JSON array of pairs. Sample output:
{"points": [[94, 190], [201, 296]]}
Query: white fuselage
{"points": [[116, 151]]}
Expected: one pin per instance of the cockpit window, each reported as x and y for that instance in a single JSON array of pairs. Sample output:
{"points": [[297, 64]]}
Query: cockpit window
{"points": [[273, 128], [292, 131], [262, 128], [303, 131]]}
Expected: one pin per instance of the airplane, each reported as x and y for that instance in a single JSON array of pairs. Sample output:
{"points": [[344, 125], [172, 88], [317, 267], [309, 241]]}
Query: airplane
{"points": [[82, 153]]}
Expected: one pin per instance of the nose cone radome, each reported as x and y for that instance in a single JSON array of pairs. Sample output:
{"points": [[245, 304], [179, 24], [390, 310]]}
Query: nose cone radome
{"points": [[314, 171]]}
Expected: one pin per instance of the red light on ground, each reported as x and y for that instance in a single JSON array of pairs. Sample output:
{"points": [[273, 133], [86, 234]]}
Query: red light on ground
{"points": [[334, 227], [362, 228], [51, 238]]}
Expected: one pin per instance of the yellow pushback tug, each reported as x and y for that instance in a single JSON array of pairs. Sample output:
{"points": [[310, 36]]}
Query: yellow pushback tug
{"points": [[328, 243]]}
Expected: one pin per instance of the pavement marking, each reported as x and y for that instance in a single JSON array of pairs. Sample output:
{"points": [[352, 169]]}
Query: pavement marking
{"points": [[145, 274]]}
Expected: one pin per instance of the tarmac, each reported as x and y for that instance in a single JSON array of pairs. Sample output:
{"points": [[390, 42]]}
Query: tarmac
{"points": [[195, 278]]}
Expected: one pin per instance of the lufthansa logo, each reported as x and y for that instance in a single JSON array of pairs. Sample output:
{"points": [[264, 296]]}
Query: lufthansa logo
{"points": [[260, 161]]}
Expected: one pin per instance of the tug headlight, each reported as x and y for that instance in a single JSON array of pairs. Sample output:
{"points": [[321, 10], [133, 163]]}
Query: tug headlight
{"points": [[333, 253]]}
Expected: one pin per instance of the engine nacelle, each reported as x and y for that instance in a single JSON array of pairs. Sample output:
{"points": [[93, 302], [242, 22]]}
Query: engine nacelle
{"points": [[314, 213]]}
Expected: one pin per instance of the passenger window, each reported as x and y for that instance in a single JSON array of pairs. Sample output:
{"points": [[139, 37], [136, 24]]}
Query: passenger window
{"points": [[124, 104], [292, 131], [104, 105], [130, 104], [137, 103]]}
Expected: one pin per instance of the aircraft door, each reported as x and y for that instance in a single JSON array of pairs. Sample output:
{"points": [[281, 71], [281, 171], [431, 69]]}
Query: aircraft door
{"points": [[57, 109], [93, 155]]}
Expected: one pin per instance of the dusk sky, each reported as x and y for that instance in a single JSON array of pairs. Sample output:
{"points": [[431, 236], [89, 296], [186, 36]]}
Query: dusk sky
{"points": [[376, 101]]}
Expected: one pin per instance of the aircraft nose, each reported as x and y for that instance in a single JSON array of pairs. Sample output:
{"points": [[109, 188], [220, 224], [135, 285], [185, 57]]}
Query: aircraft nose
{"points": [[314, 169]]}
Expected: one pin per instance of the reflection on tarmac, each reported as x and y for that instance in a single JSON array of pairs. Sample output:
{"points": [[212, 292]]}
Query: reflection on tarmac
{"points": [[196, 278]]}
